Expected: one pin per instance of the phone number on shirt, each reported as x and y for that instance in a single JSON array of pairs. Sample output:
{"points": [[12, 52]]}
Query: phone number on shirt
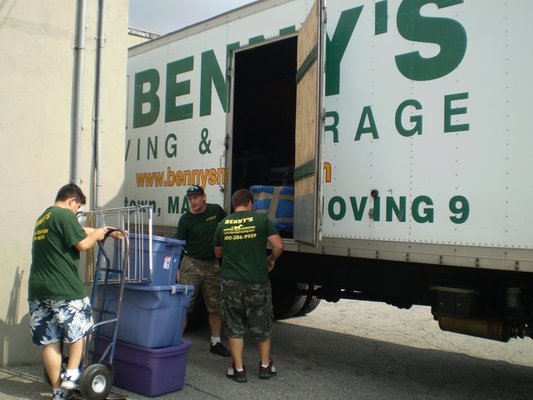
{"points": [[240, 237]]}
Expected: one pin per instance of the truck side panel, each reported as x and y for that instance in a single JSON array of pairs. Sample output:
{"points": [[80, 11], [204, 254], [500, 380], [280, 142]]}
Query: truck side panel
{"points": [[426, 135]]}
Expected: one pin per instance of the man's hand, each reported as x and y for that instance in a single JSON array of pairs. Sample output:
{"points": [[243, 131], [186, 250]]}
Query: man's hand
{"points": [[100, 233], [117, 235], [271, 261]]}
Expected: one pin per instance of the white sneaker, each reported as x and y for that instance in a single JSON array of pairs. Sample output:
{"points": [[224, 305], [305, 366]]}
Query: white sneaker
{"points": [[70, 384]]}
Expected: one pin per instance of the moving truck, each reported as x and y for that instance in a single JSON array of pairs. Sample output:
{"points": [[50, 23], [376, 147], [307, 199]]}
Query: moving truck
{"points": [[401, 129]]}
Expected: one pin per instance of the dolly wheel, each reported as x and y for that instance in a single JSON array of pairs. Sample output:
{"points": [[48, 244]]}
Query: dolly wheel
{"points": [[96, 381]]}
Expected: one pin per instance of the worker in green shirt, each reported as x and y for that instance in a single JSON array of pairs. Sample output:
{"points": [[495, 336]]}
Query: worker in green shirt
{"points": [[59, 307], [240, 240], [199, 266]]}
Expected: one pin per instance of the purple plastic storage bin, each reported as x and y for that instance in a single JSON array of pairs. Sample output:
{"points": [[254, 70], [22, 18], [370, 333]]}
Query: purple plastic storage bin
{"points": [[149, 372], [151, 316]]}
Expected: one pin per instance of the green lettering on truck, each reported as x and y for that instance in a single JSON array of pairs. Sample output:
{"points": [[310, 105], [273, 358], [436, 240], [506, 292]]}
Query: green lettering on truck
{"points": [[175, 89], [450, 111], [333, 126], [336, 203], [211, 74], [397, 209], [336, 46], [447, 33], [416, 120], [150, 78], [371, 128], [428, 214]]}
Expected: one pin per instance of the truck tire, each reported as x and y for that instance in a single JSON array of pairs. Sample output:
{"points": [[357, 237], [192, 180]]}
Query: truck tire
{"points": [[287, 301], [311, 303]]}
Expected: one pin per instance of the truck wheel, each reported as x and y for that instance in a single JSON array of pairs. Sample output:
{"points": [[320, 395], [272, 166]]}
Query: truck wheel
{"points": [[311, 303], [287, 301]]}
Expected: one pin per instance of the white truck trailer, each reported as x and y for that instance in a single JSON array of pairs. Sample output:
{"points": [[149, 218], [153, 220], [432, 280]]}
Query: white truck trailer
{"points": [[405, 128]]}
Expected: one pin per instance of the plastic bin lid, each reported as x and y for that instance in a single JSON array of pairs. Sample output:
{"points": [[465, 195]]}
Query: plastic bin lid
{"points": [[168, 240], [177, 288]]}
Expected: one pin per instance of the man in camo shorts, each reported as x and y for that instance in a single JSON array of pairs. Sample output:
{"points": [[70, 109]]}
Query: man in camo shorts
{"points": [[240, 240], [199, 267]]}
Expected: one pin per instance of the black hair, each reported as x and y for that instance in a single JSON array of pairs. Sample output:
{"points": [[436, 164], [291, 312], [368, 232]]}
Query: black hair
{"points": [[71, 190]]}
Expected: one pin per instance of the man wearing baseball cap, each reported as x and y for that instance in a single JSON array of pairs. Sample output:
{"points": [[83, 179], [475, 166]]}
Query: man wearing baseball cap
{"points": [[199, 266]]}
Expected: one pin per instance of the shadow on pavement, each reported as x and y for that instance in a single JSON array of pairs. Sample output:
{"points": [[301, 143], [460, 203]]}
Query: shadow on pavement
{"points": [[319, 364]]}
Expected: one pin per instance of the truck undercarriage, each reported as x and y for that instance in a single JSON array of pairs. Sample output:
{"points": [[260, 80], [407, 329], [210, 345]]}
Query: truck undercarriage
{"points": [[492, 304]]}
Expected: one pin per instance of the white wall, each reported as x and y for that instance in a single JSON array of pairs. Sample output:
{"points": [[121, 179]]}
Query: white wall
{"points": [[36, 75]]}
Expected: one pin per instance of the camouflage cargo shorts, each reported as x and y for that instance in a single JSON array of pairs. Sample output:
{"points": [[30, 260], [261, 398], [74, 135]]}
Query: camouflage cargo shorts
{"points": [[247, 306], [205, 276]]}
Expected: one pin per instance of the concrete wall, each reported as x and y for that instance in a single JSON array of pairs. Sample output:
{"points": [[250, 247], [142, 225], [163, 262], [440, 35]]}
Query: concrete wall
{"points": [[36, 43]]}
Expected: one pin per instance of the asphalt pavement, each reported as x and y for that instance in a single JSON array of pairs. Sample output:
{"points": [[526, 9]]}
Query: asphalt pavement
{"points": [[349, 350]]}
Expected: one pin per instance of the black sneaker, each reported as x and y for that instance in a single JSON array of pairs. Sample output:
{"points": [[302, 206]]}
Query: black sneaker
{"points": [[63, 395], [237, 376], [266, 373], [220, 350]]}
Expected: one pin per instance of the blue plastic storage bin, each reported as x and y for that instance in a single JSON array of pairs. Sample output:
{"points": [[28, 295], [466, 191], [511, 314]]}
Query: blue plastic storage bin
{"points": [[151, 316], [166, 254], [277, 202]]}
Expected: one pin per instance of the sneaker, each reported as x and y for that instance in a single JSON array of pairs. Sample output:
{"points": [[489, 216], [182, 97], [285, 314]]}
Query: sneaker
{"points": [[237, 376], [220, 350], [63, 395], [70, 384], [266, 373]]}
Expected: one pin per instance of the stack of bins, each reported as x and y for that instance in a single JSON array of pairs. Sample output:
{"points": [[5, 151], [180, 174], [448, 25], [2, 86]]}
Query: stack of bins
{"points": [[150, 356]]}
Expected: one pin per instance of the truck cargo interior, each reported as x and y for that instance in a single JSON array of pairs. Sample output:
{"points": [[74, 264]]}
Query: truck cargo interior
{"points": [[264, 109]]}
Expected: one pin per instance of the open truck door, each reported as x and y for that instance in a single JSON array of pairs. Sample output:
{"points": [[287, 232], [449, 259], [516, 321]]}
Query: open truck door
{"points": [[309, 126]]}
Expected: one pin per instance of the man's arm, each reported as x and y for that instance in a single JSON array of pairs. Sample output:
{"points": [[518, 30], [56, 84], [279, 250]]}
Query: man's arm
{"points": [[181, 231], [277, 248], [218, 252], [93, 236]]}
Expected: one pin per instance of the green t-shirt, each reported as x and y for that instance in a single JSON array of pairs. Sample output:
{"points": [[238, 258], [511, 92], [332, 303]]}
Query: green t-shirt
{"points": [[55, 259], [243, 235], [197, 231]]}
